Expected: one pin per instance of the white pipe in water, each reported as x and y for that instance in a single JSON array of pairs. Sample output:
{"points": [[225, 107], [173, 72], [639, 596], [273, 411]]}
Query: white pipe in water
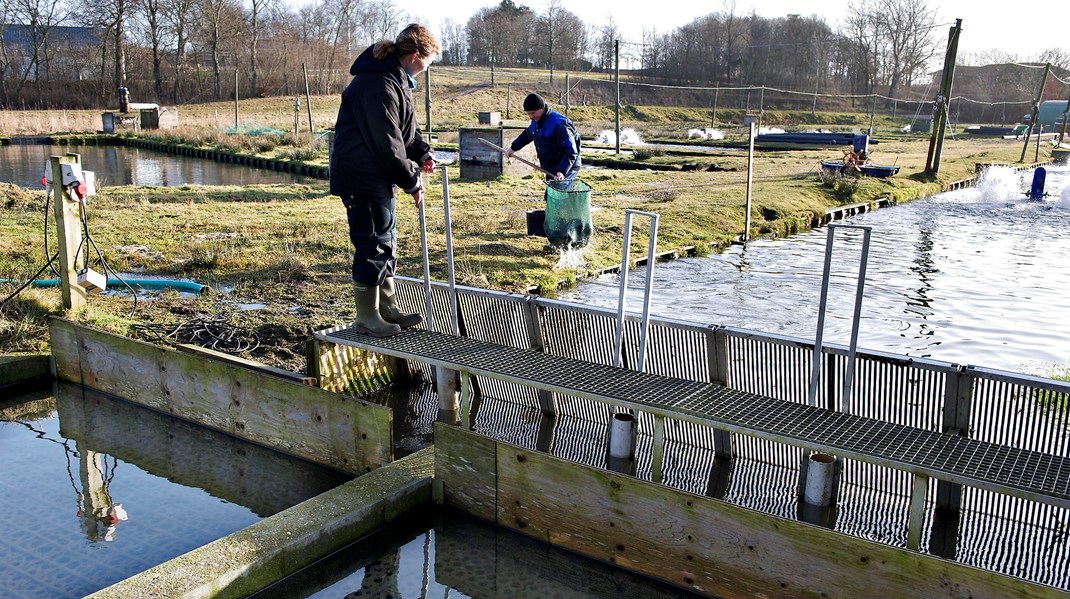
{"points": [[621, 436], [819, 479]]}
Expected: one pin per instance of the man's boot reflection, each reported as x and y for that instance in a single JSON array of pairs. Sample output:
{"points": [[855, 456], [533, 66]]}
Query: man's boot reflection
{"points": [[380, 579]]}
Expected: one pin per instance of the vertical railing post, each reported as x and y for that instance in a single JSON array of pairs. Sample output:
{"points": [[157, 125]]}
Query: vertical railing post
{"points": [[537, 342], [717, 350]]}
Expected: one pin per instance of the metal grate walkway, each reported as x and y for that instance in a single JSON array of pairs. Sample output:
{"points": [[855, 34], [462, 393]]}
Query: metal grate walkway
{"points": [[1021, 473]]}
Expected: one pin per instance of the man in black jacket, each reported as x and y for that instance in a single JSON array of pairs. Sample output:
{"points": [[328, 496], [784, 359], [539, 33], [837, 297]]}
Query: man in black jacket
{"points": [[377, 146]]}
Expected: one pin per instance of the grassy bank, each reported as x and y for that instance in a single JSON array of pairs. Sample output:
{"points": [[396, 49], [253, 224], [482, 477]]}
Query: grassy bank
{"points": [[287, 247]]}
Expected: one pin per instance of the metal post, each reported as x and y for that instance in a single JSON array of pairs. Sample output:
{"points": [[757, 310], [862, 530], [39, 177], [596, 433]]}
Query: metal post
{"points": [[713, 117], [308, 100], [750, 182], [848, 380], [622, 301], [427, 99], [616, 69], [428, 304], [454, 328]]}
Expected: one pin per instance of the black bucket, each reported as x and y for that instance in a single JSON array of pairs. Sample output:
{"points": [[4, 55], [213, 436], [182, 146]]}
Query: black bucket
{"points": [[536, 220]]}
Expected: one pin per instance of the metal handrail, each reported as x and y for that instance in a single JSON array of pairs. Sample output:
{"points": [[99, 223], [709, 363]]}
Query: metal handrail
{"points": [[622, 301]]}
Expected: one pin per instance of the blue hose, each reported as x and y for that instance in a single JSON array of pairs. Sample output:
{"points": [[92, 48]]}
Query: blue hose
{"points": [[187, 286]]}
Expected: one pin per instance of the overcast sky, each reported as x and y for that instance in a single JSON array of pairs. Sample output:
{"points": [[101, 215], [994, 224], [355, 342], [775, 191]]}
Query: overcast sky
{"points": [[984, 27]]}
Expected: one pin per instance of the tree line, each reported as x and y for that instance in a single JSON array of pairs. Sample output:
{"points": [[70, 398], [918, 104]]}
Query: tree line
{"points": [[67, 53]]}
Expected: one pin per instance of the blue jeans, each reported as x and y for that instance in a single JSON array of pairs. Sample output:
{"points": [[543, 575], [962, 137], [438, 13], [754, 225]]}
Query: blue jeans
{"points": [[372, 224]]}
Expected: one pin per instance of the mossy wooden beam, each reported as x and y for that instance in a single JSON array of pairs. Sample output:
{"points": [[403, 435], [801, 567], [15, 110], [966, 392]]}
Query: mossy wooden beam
{"points": [[695, 542], [331, 429]]}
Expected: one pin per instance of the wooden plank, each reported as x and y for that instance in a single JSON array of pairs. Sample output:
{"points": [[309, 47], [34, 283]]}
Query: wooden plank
{"points": [[253, 365], [712, 547], [63, 338], [464, 462], [344, 433]]}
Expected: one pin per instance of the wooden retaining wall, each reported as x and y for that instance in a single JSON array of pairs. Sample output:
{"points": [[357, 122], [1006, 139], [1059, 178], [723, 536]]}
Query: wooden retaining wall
{"points": [[695, 542], [327, 428]]}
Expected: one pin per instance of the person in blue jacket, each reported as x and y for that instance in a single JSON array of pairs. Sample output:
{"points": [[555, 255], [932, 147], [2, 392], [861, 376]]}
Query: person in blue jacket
{"points": [[556, 142], [378, 148]]}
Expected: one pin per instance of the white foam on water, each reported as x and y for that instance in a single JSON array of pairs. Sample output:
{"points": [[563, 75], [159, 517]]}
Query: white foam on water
{"points": [[999, 185], [627, 136], [767, 130], [705, 133]]}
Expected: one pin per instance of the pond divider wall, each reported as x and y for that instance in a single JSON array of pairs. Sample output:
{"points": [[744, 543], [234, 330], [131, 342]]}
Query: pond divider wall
{"points": [[334, 430], [256, 556], [703, 544]]}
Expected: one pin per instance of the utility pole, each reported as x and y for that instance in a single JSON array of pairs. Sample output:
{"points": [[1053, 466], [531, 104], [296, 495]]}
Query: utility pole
{"points": [[616, 69], [936, 141], [1036, 113]]}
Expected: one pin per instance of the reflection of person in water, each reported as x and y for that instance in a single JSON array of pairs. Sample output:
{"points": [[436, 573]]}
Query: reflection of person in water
{"points": [[98, 513]]}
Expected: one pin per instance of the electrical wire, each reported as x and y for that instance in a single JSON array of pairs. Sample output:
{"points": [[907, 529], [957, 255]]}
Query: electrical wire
{"points": [[31, 280]]}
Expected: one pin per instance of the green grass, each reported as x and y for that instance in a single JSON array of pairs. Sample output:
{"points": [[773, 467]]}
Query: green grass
{"points": [[287, 245]]}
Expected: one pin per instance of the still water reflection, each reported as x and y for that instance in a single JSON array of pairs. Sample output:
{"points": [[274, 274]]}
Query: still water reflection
{"points": [[974, 276], [96, 489], [120, 165], [452, 555]]}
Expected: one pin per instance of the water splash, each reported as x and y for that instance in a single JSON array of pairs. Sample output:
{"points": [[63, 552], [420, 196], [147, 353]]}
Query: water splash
{"points": [[705, 133], [627, 136], [571, 258], [999, 185], [768, 130]]}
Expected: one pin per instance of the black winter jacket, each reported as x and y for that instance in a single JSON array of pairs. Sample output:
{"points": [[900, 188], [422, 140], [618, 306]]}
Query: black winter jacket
{"points": [[376, 139]]}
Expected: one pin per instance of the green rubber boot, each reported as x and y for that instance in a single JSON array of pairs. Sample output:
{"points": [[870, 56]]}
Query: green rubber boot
{"points": [[391, 312], [369, 321]]}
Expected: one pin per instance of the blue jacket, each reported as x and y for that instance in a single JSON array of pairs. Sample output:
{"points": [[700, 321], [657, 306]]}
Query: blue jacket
{"points": [[556, 142]]}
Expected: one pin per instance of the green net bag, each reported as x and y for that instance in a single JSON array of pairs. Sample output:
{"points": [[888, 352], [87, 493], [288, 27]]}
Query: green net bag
{"points": [[568, 213]]}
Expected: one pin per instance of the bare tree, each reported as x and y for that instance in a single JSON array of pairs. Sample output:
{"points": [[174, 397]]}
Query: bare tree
{"points": [[178, 16], [258, 8], [454, 43], [41, 17], [150, 15], [220, 23], [906, 35], [603, 47]]}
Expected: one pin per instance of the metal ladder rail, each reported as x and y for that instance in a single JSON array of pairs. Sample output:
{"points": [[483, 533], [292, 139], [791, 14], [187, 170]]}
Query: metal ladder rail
{"points": [[848, 379]]}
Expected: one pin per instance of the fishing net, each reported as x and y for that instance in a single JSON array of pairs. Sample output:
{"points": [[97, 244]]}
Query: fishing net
{"points": [[568, 213]]}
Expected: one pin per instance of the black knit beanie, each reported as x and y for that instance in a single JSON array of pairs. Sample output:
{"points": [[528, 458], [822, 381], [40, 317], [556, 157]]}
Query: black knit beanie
{"points": [[533, 102]]}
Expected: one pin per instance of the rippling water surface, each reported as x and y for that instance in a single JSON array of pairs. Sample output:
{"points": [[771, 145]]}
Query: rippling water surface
{"points": [[975, 276]]}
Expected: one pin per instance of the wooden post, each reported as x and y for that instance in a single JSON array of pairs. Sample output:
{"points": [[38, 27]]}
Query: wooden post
{"points": [[235, 100], [1036, 112], [297, 116], [508, 100], [308, 100], [936, 141], [566, 95], [68, 225]]}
